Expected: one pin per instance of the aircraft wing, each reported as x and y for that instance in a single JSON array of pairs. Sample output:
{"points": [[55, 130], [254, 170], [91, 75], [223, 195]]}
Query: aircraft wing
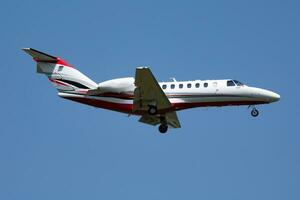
{"points": [[148, 92], [171, 119]]}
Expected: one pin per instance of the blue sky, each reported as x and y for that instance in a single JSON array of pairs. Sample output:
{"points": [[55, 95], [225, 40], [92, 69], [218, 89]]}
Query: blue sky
{"points": [[51, 148]]}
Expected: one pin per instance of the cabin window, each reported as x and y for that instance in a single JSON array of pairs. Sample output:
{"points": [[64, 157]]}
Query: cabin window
{"points": [[60, 68], [189, 85], [230, 83], [180, 85], [172, 86], [164, 87], [205, 84], [197, 85]]}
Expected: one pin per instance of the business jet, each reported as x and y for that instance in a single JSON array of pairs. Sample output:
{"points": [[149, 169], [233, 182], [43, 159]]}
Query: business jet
{"points": [[155, 102]]}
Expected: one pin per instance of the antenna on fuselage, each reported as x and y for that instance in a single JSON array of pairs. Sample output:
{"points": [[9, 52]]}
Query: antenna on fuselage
{"points": [[173, 79]]}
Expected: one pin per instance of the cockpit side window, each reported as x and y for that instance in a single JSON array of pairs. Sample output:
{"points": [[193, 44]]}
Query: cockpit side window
{"points": [[238, 83], [230, 83]]}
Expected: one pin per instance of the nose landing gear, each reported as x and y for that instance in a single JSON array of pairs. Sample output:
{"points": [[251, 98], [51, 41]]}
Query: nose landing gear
{"points": [[254, 112]]}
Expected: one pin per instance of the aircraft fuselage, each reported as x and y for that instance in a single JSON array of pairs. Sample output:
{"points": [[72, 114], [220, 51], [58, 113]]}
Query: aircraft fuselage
{"points": [[156, 102], [118, 95]]}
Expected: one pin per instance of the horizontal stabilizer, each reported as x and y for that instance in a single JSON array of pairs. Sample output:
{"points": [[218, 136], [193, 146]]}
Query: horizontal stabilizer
{"points": [[40, 56]]}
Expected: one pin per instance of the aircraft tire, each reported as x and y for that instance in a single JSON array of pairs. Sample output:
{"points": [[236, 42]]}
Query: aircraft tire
{"points": [[254, 113], [163, 128]]}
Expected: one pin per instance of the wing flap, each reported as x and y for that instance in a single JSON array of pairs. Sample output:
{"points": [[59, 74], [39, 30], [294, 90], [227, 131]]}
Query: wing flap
{"points": [[170, 117], [172, 120], [149, 119]]}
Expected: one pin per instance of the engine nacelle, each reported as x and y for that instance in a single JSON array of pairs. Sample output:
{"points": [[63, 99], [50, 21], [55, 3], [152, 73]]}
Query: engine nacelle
{"points": [[118, 85]]}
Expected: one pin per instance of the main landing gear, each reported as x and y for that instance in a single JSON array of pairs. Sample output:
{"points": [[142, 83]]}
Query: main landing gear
{"points": [[254, 112], [163, 127]]}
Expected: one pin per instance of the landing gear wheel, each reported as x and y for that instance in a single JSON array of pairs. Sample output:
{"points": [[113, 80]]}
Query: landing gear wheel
{"points": [[163, 128], [152, 110], [254, 113]]}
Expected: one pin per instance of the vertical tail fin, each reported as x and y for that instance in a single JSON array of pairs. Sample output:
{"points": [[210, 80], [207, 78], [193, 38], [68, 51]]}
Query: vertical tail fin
{"points": [[63, 76]]}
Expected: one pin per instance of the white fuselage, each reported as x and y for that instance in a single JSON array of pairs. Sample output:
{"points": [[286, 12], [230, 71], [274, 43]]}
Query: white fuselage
{"points": [[117, 94]]}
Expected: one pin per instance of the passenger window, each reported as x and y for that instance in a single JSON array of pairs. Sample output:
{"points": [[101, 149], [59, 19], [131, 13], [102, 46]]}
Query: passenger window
{"points": [[230, 83], [205, 84], [189, 85], [197, 85], [180, 86], [60, 68], [172, 86], [164, 87]]}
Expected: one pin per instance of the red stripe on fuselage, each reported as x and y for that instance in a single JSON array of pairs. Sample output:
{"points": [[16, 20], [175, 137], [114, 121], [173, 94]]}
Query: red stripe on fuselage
{"points": [[131, 95], [182, 106], [57, 82], [117, 95], [127, 108]]}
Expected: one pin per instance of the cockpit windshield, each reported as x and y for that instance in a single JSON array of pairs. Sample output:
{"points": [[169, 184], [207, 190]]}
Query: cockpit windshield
{"points": [[238, 83], [234, 83], [230, 83]]}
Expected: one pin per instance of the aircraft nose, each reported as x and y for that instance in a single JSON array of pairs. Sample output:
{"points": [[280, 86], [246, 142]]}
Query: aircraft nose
{"points": [[276, 96], [273, 97], [265, 95]]}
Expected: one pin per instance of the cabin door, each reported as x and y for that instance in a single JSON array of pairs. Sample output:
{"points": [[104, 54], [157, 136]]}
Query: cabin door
{"points": [[216, 87]]}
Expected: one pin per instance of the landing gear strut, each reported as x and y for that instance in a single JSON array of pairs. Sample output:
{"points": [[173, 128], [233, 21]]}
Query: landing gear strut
{"points": [[254, 112], [163, 127]]}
